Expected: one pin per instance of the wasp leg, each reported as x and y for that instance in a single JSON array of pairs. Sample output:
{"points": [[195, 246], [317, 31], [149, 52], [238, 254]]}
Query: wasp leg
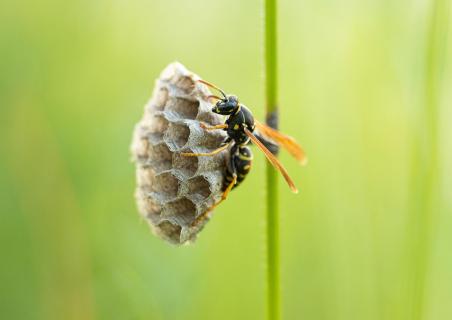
{"points": [[214, 152], [223, 197], [218, 126]]}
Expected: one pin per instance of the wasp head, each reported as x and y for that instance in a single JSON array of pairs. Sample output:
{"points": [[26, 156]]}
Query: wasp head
{"points": [[226, 106]]}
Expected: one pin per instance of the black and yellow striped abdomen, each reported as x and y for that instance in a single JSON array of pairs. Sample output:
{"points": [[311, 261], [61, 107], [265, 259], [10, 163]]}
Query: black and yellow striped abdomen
{"points": [[239, 163]]}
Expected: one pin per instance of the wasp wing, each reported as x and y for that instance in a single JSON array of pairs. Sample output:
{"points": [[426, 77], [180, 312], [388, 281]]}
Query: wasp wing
{"points": [[273, 160], [287, 142]]}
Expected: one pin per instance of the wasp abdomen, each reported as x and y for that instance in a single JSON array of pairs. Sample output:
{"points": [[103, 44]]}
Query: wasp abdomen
{"points": [[240, 165]]}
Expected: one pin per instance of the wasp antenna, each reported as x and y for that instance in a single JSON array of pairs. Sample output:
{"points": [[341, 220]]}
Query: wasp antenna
{"points": [[213, 97], [212, 86]]}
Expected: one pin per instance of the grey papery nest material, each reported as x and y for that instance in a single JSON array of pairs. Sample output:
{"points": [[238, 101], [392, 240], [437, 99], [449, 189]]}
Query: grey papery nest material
{"points": [[174, 190]]}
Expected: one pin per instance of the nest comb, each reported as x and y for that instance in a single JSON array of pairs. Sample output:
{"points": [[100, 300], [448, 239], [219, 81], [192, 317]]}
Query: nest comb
{"points": [[173, 190]]}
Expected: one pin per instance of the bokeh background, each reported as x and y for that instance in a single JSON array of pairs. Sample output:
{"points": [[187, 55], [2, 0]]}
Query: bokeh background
{"points": [[364, 86]]}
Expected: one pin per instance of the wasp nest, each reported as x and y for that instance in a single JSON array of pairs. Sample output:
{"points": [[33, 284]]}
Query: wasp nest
{"points": [[174, 190]]}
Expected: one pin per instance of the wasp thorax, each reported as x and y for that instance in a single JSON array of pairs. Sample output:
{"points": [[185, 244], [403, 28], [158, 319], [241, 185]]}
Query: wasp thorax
{"points": [[173, 190]]}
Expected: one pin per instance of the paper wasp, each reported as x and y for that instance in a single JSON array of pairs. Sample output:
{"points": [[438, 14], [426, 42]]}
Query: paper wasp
{"points": [[240, 126]]}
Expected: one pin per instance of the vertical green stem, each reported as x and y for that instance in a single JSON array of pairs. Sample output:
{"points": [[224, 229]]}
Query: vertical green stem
{"points": [[426, 165], [271, 98]]}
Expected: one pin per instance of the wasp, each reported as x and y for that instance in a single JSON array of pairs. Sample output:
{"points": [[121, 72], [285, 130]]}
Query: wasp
{"points": [[241, 129]]}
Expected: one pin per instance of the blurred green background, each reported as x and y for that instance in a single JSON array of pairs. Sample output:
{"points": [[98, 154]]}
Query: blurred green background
{"points": [[361, 87]]}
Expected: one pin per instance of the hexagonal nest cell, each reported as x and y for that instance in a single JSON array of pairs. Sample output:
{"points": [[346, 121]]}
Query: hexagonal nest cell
{"points": [[159, 126], [168, 231], [183, 108], [176, 137], [187, 166], [166, 185], [199, 187], [181, 211], [173, 190], [160, 157], [160, 97]]}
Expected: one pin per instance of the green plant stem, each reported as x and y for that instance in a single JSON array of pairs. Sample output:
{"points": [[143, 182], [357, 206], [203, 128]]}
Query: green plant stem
{"points": [[273, 272], [426, 164], [271, 98]]}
